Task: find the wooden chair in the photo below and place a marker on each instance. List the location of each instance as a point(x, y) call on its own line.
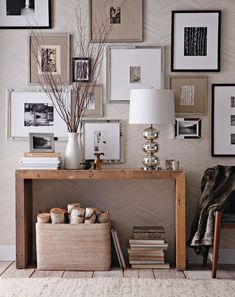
point(222, 220)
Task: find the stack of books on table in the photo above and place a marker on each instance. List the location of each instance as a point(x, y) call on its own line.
point(147, 247)
point(40, 161)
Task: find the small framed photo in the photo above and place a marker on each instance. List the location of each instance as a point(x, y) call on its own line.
point(141, 67)
point(81, 69)
point(31, 111)
point(41, 142)
point(25, 14)
point(187, 128)
point(94, 100)
point(103, 136)
point(195, 40)
point(49, 53)
point(122, 21)
point(190, 93)
point(223, 120)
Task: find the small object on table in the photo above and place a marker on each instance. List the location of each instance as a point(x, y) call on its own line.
point(86, 164)
point(98, 161)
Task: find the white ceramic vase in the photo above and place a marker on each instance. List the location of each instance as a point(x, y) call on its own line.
point(73, 152)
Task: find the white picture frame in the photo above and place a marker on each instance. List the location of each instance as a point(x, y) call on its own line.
point(103, 136)
point(133, 67)
point(31, 111)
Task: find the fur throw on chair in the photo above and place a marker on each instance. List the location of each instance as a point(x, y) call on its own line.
point(218, 193)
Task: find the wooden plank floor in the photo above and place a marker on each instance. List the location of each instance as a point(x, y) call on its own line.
point(8, 270)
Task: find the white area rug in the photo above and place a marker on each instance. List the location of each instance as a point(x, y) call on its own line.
point(110, 287)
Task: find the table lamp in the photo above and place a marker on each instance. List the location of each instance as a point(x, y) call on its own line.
point(151, 106)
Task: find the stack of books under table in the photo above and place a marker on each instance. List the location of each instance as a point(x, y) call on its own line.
point(147, 247)
point(40, 161)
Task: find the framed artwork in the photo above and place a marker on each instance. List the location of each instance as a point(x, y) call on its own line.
point(94, 100)
point(81, 69)
point(134, 67)
point(190, 93)
point(41, 142)
point(120, 20)
point(195, 40)
point(25, 14)
point(103, 136)
point(187, 128)
point(49, 53)
point(223, 120)
point(31, 111)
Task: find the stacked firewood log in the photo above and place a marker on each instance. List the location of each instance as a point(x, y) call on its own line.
point(75, 214)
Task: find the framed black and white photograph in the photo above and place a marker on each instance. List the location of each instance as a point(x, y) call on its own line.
point(141, 67)
point(187, 128)
point(25, 14)
point(49, 53)
point(31, 111)
point(103, 136)
point(195, 40)
point(94, 100)
point(41, 142)
point(117, 20)
point(81, 69)
point(223, 120)
point(190, 93)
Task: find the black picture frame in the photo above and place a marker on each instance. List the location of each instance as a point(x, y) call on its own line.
point(223, 120)
point(82, 75)
point(204, 25)
point(36, 18)
point(188, 128)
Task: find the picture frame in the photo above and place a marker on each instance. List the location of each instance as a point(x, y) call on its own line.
point(222, 120)
point(31, 111)
point(49, 52)
point(141, 67)
point(190, 93)
point(195, 40)
point(41, 142)
point(81, 69)
point(188, 128)
point(31, 14)
point(121, 20)
point(103, 136)
point(94, 100)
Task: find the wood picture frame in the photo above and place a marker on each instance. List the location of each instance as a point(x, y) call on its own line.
point(133, 67)
point(49, 53)
point(223, 120)
point(188, 128)
point(81, 68)
point(31, 111)
point(103, 136)
point(41, 142)
point(94, 100)
point(195, 40)
point(31, 14)
point(190, 94)
point(122, 20)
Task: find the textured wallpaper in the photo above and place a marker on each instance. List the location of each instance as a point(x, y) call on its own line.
point(131, 202)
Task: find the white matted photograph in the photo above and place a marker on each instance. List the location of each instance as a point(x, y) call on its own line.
point(31, 111)
point(103, 136)
point(25, 14)
point(195, 40)
point(223, 120)
point(133, 67)
point(188, 128)
point(41, 142)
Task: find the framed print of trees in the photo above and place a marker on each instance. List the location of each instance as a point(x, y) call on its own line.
point(195, 40)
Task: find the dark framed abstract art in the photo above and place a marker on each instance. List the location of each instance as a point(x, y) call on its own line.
point(195, 40)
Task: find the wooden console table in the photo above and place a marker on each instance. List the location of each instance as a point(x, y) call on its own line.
point(24, 192)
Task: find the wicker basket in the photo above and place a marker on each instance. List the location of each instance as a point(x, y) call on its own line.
point(73, 247)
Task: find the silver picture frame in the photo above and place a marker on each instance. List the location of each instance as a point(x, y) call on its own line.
point(41, 143)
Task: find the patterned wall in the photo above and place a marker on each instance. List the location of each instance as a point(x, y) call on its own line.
point(130, 202)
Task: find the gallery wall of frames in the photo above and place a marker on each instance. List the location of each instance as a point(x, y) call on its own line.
point(186, 46)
